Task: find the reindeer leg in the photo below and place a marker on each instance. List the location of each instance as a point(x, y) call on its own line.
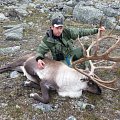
point(15, 65)
point(45, 93)
point(31, 84)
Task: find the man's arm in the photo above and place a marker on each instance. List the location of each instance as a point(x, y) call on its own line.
point(74, 32)
point(42, 50)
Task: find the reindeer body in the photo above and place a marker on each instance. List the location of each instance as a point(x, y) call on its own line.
point(56, 76)
point(68, 80)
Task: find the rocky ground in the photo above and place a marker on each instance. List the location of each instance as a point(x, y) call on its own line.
point(15, 103)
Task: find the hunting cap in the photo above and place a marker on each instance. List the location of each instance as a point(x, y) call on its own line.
point(57, 19)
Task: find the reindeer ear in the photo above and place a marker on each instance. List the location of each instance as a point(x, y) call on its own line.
point(93, 88)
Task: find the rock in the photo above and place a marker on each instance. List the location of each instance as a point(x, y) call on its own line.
point(56, 15)
point(110, 22)
point(17, 11)
point(60, 6)
point(3, 17)
point(71, 3)
point(3, 105)
point(13, 36)
point(39, 6)
point(14, 33)
point(87, 14)
point(71, 118)
point(110, 12)
point(25, 1)
point(8, 50)
point(8, 27)
point(92, 14)
point(117, 27)
point(82, 106)
point(8, 2)
point(67, 9)
point(22, 11)
point(89, 3)
point(115, 5)
point(17, 106)
point(45, 107)
point(101, 6)
point(14, 74)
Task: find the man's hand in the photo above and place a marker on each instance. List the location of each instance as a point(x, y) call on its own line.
point(100, 30)
point(41, 64)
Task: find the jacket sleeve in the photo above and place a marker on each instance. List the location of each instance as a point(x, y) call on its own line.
point(42, 50)
point(74, 32)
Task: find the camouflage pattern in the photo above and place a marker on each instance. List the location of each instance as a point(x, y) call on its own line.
point(66, 47)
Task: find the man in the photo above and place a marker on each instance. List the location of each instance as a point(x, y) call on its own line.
point(59, 41)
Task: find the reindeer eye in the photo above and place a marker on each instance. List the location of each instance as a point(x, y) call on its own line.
point(84, 79)
point(90, 83)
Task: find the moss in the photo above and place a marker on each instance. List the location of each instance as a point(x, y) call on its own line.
point(39, 20)
point(118, 72)
point(116, 108)
point(36, 17)
point(14, 111)
point(94, 99)
point(103, 73)
point(2, 58)
point(90, 116)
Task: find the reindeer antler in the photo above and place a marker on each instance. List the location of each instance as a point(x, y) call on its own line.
point(104, 56)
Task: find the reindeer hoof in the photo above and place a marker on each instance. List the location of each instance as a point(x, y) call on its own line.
point(32, 95)
point(27, 83)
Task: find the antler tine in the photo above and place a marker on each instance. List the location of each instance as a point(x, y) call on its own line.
point(102, 85)
point(103, 56)
point(113, 47)
point(98, 36)
point(100, 67)
point(84, 50)
point(95, 79)
point(118, 21)
point(105, 82)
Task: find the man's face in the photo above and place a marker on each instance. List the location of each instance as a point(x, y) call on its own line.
point(57, 31)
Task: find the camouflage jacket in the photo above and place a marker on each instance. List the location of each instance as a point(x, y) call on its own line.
point(62, 46)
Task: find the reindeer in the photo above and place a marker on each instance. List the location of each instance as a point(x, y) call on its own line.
point(55, 76)
point(65, 80)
